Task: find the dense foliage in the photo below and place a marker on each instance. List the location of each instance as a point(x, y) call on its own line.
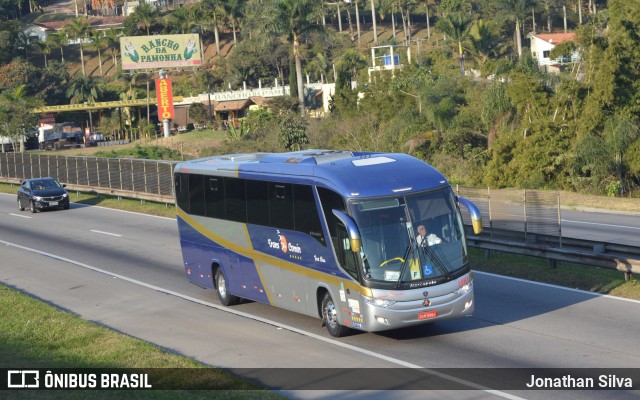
point(474, 103)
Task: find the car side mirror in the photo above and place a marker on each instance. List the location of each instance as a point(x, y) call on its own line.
point(64, 185)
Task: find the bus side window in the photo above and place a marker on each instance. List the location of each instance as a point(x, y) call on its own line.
point(235, 200)
point(182, 191)
point(214, 197)
point(281, 205)
point(305, 213)
point(257, 202)
point(196, 194)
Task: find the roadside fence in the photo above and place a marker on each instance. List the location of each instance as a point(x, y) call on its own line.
point(140, 179)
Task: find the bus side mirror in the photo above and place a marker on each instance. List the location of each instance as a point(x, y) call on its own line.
point(476, 217)
point(352, 230)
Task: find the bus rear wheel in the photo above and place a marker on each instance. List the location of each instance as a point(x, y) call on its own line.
point(224, 296)
point(330, 317)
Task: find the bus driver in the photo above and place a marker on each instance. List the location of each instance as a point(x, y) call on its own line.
point(425, 239)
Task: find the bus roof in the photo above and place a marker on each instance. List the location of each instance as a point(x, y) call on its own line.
point(352, 174)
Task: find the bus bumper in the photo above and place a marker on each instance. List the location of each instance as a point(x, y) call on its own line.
point(405, 314)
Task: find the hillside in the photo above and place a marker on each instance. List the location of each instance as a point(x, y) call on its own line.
point(62, 10)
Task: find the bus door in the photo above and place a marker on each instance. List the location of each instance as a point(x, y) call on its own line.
point(349, 299)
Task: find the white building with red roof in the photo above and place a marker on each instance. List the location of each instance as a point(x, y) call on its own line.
point(543, 43)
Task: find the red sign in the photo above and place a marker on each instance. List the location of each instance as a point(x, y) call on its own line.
point(47, 119)
point(164, 93)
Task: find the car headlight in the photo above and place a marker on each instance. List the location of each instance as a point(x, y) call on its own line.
point(65, 195)
point(377, 302)
point(38, 198)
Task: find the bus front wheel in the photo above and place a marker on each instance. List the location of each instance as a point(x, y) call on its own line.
point(330, 317)
point(224, 296)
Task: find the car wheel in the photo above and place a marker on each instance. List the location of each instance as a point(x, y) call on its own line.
point(32, 206)
point(65, 207)
point(225, 297)
point(20, 206)
point(330, 318)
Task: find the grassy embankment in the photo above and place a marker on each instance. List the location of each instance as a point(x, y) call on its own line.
point(37, 335)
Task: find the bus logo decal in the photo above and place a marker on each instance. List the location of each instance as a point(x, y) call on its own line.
point(283, 242)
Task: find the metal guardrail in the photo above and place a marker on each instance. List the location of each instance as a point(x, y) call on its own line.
point(622, 258)
point(139, 179)
point(525, 222)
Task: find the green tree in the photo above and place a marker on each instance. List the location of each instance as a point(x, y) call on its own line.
point(198, 112)
point(232, 9)
point(59, 40)
point(16, 115)
point(518, 10)
point(483, 43)
point(145, 15)
point(180, 20)
point(214, 10)
point(45, 48)
point(78, 29)
point(99, 41)
point(456, 26)
point(293, 132)
point(112, 37)
point(84, 89)
point(294, 18)
point(55, 80)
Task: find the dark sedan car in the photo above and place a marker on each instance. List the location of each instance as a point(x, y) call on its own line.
point(42, 194)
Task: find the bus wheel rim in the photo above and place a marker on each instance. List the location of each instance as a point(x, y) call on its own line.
point(331, 316)
point(222, 286)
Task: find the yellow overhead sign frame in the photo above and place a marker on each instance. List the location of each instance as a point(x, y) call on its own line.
point(98, 105)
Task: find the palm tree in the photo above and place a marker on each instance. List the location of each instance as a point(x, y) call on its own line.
point(45, 48)
point(456, 26)
point(145, 14)
point(58, 39)
point(214, 10)
point(293, 18)
point(112, 37)
point(84, 89)
point(232, 8)
point(373, 20)
point(519, 10)
point(79, 29)
point(99, 41)
point(180, 19)
point(483, 43)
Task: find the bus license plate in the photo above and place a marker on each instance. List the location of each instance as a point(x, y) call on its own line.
point(427, 314)
point(53, 203)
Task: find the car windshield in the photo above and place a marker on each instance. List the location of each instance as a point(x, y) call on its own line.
point(43, 184)
point(412, 238)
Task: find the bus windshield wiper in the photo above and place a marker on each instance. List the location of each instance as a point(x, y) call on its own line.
point(405, 262)
point(437, 261)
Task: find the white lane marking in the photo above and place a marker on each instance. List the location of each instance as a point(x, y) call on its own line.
point(105, 233)
point(598, 223)
point(21, 216)
point(269, 322)
point(608, 296)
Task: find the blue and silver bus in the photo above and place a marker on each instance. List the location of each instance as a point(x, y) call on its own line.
point(366, 241)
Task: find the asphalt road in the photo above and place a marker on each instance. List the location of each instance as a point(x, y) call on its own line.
point(123, 270)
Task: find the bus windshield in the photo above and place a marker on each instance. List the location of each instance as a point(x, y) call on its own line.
point(415, 239)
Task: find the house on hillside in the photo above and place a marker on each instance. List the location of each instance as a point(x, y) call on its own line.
point(40, 30)
point(543, 43)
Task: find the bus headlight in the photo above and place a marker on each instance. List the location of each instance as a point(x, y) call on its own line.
point(464, 289)
point(378, 302)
